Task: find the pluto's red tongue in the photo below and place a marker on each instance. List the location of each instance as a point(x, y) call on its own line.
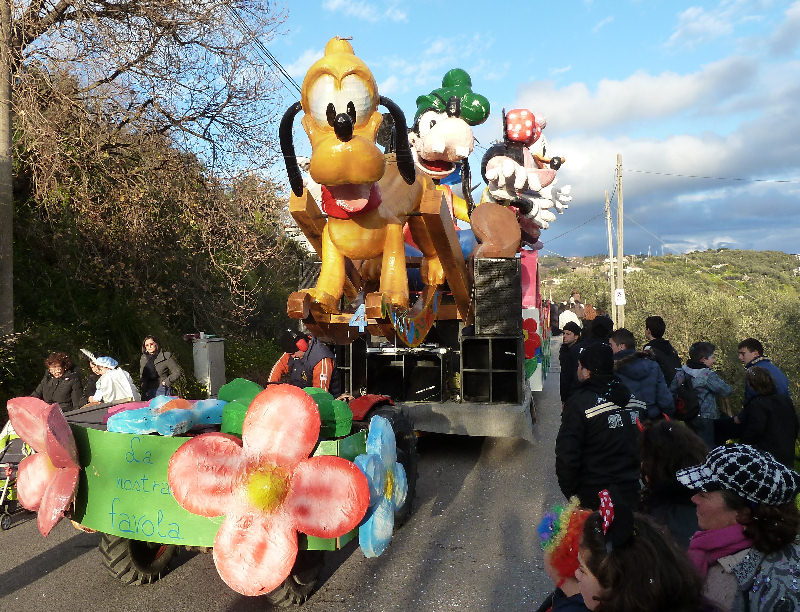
point(341, 201)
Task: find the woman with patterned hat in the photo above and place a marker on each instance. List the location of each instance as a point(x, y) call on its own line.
point(746, 550)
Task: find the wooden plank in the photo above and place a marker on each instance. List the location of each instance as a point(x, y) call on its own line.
point(439, 223)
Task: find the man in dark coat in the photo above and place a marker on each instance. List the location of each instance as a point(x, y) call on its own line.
point(594, 332)
point(751, 353)
point(307, 362)
point(664, 353)
point(597, 443)
point(641, 374)
point(567, 359)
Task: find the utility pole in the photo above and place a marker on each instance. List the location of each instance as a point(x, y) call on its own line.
point(610, 260)
point(620, 250)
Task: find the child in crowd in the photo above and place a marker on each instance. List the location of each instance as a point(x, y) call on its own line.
point(114, 384)
point(628, 564)
point(708, 386)
point(665, 448)
point(560, 530)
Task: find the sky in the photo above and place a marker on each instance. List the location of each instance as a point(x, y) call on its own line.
point(700, 99)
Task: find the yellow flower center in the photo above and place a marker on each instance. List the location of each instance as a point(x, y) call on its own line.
point(267, 487)
point(388, 489)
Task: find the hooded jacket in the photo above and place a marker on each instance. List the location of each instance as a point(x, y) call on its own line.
point(597, 443)
point(67, 390)
point(706, 383)
point(666, 356)
point(644, 378)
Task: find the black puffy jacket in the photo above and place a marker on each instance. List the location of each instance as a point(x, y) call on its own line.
point(769, 423)
point(66, 390)
point(597, 446)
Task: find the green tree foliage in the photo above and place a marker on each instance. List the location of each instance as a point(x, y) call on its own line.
point(119, 234)
point(698, 302)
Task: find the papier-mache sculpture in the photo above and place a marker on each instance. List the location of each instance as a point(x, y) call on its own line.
point(48, 479)
point(520, 174)
point(368, 197)
point(340, 103)
point(268, 488)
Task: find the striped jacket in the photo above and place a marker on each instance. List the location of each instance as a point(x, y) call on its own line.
point(598, 442)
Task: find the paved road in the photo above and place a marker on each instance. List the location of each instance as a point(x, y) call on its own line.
point(471, 544)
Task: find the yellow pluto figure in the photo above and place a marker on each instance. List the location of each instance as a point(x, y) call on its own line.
point(367, 196)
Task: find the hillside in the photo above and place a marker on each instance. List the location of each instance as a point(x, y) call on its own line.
point(720, 296)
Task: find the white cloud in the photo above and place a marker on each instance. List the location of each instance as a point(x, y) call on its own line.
point(562, 70)
point(698, 25)
point(785, 38)
point(601, 23)
point(300, 66)
point(641, 96)
point(389, 86)
point(368, 11)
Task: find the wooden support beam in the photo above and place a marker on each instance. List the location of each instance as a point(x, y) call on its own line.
point(436, 216)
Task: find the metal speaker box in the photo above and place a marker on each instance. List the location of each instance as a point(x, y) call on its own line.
point(498, 297)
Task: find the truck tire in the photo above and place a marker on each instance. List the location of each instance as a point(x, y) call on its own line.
point(133, 561)
point(299, 585)
point(406, 441)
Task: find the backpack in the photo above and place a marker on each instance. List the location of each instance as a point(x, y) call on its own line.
point(687, 402)
point(668, 362)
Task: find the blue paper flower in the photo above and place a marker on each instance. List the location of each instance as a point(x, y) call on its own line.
point(388, 487)
point(168, 423)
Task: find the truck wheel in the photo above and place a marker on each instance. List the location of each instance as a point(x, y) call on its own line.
point(406, 441)
point(5, 522)
point(135, 562)
point(300, 583)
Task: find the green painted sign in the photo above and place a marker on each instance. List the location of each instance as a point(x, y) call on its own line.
point(123, 489)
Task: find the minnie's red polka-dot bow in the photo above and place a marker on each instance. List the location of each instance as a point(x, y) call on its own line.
point(606, 509)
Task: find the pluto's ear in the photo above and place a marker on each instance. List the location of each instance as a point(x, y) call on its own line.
point(287, 148)
point(405, 161)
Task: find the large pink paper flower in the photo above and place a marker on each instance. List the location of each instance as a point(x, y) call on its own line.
point(268, 489)
point(47, 480)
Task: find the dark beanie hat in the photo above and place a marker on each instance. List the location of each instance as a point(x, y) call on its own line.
point(573, 327)
point(598, 359)
point(602, 327)
point(292, 341)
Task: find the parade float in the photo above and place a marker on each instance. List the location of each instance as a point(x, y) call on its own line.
point(267, 479)
point(430, 298)
point(432, 302)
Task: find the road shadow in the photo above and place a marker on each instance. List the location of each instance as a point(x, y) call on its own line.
point(39, 566)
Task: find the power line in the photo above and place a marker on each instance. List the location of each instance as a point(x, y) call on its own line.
point(714, 178)
point(661, 240)
point(265, 53)
point(600, 214)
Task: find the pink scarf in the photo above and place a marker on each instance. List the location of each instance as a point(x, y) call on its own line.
point(708, 546)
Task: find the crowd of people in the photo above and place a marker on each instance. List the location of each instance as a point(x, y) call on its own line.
point(673, 506)
point(107, 382)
